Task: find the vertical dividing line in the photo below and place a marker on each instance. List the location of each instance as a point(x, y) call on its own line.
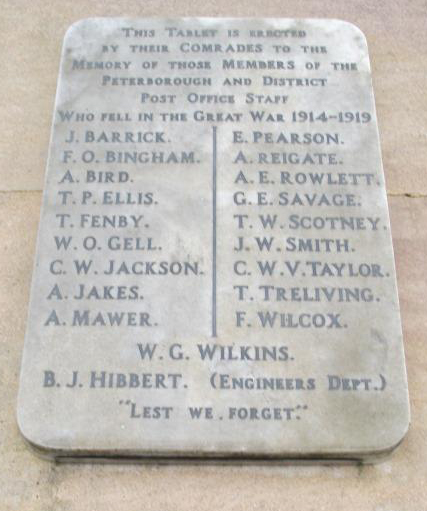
point(214, 207)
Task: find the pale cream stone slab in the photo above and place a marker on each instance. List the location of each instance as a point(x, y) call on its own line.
point(237, 230)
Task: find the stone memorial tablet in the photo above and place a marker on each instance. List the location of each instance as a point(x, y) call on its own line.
point(214, 274)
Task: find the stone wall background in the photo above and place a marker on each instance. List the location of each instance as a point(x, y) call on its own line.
point(31, 33)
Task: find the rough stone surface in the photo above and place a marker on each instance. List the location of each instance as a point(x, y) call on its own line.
point(30, 483)
point(196, 291)
point(34, 31)
point(397, 59)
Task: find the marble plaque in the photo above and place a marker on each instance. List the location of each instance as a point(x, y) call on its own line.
point(214, 274)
